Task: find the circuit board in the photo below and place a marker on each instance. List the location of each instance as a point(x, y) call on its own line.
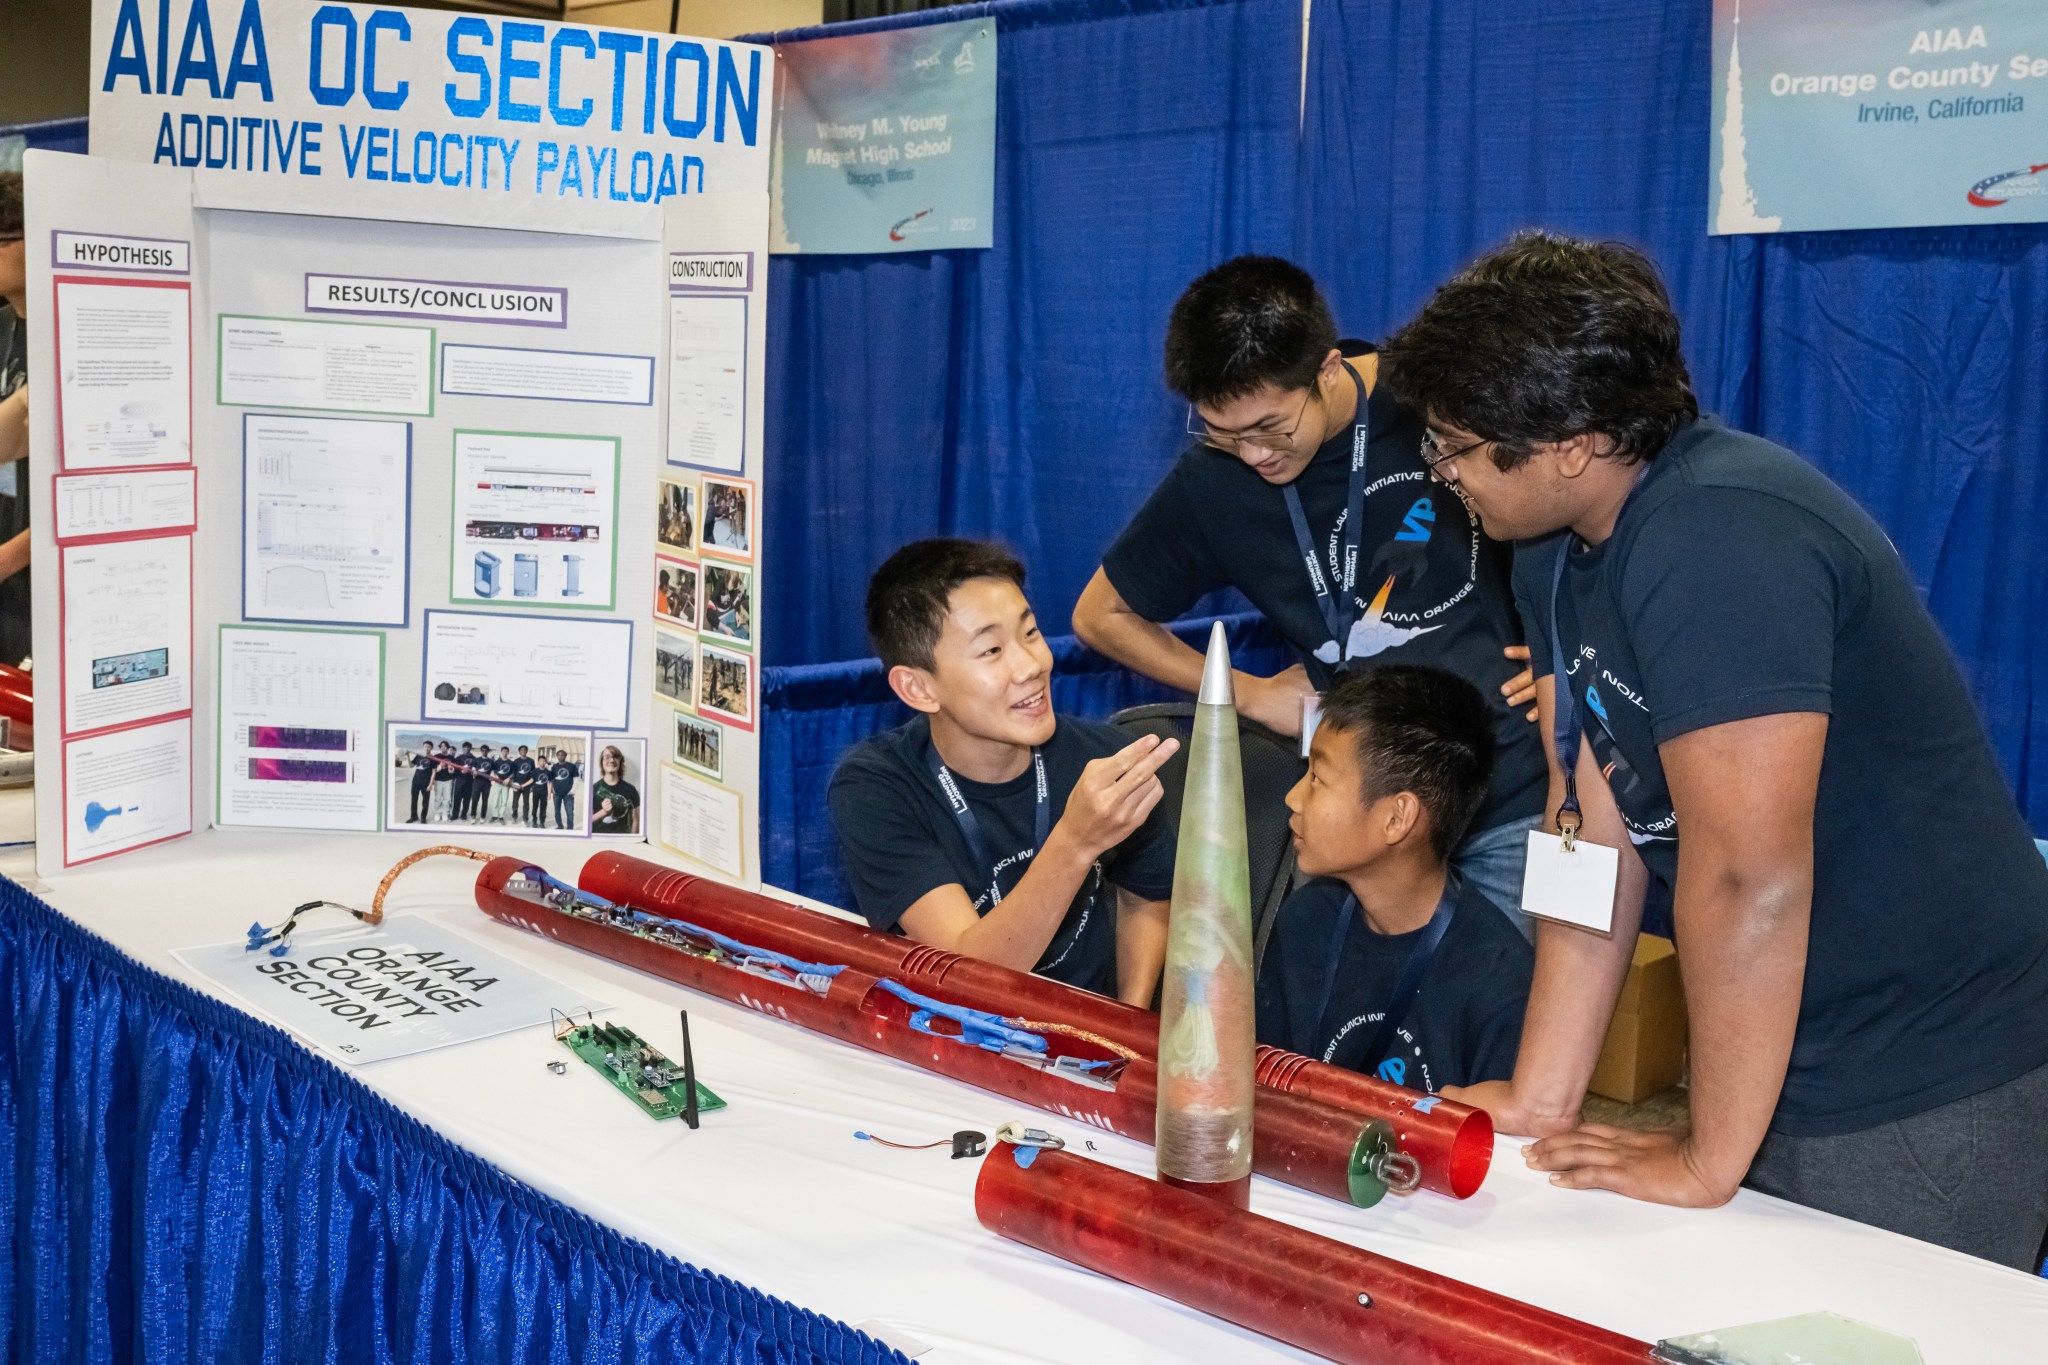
point(637, 1070)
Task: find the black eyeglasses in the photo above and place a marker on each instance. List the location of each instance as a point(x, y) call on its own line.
point(1434, 454)
point(1229, 441)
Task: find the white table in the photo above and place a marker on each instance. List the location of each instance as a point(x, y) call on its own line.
point(775, 1192)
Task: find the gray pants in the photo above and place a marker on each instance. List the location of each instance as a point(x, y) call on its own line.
point(1971, 1175)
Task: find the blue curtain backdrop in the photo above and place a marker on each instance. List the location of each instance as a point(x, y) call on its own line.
point(1909, 365)
point(1016, 392)
point(182, 1185)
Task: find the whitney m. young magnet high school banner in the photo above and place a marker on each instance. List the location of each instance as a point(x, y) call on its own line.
point(301, 89)
point(1878, 113)
point(887, 141)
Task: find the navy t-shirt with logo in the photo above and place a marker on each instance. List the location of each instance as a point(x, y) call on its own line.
point(1463, 1025)
point(900, 840)
point(1438, 589)
point(1739, 582)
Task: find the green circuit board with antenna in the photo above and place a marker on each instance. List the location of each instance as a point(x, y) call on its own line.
point(635, 1068)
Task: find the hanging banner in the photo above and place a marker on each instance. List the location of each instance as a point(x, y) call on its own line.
point(1878, 113)
point(887, 141)
point(447, 103)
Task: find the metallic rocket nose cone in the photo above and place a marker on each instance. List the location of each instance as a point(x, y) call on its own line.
point(1216, 688)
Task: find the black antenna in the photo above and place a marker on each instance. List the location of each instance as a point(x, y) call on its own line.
point(689, 1075)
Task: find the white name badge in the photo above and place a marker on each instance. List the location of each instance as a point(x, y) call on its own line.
point(1575, 887)
point(1311, 716)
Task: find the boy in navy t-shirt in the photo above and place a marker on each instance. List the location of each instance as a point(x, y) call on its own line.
point(1770, 725)
point(988, 825)
point(1385, 962)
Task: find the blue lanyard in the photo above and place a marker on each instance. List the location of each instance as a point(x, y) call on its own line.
point(970, 828)
point(1410, 980)
point(1337, 606)
point(1565, 720)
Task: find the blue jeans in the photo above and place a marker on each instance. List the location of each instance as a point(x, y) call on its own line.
point(1492, 860)
point(565, 816)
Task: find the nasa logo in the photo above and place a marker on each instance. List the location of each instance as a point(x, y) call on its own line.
point(2010, 185)
point(906, 229)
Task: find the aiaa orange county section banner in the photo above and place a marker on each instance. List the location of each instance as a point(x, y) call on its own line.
point(1836, 114)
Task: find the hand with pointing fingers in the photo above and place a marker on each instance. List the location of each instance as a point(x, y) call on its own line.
point(1115, 794)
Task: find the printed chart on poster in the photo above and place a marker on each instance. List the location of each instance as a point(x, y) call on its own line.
point(535, 519)
point(124, 356)
point(326, 366)
point(326, 519)
point(707, 378)
point(522, 669)
point(124, 503)
point(127, 631)
point(702, 820)
point(552, 376)
point(488, 779)
point(127, 789)
point(301, 713)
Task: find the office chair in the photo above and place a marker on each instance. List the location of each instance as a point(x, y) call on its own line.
point(1272, 765)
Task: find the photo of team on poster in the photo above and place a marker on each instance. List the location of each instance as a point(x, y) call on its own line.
point(675, 592)
point(729, 518)
point(675, 525)
point(725, 686)
point(675, 667)
point(699, 746)
point(620, 774)
point(488, 780)
point(729, 603)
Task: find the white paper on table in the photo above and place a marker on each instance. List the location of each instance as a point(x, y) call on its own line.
point(333, 366)
point(124, 503)
point(703, 821)
point(535, 519)
point(563, 376)
point(126, 789)
point(707, 381)
point(127, 631)
point(301, 724)
point(527, 670)
point(367, 995)
point(325, 519)
point(124, 372)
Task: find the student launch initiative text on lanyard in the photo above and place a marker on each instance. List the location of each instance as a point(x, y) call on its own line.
point(1410, 980)
point(1337, 606)
point(970, 828)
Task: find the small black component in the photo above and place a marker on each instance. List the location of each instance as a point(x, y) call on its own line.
point(967, 1142)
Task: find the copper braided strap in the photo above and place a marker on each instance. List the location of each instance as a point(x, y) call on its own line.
point(376, 911)
point(1038, 1026)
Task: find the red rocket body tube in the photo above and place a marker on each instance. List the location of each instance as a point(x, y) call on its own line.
point(1313, 1146)
point(1336, 1300)
point(1451, 1143)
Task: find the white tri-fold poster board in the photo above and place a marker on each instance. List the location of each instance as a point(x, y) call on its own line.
point(351, 487)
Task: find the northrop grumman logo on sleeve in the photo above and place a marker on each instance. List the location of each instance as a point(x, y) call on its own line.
point(1994, 190)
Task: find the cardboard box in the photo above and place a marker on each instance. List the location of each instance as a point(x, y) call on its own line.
point(1645, 1050)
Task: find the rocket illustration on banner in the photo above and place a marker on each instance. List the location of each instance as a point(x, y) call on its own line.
point(1206, 1039)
